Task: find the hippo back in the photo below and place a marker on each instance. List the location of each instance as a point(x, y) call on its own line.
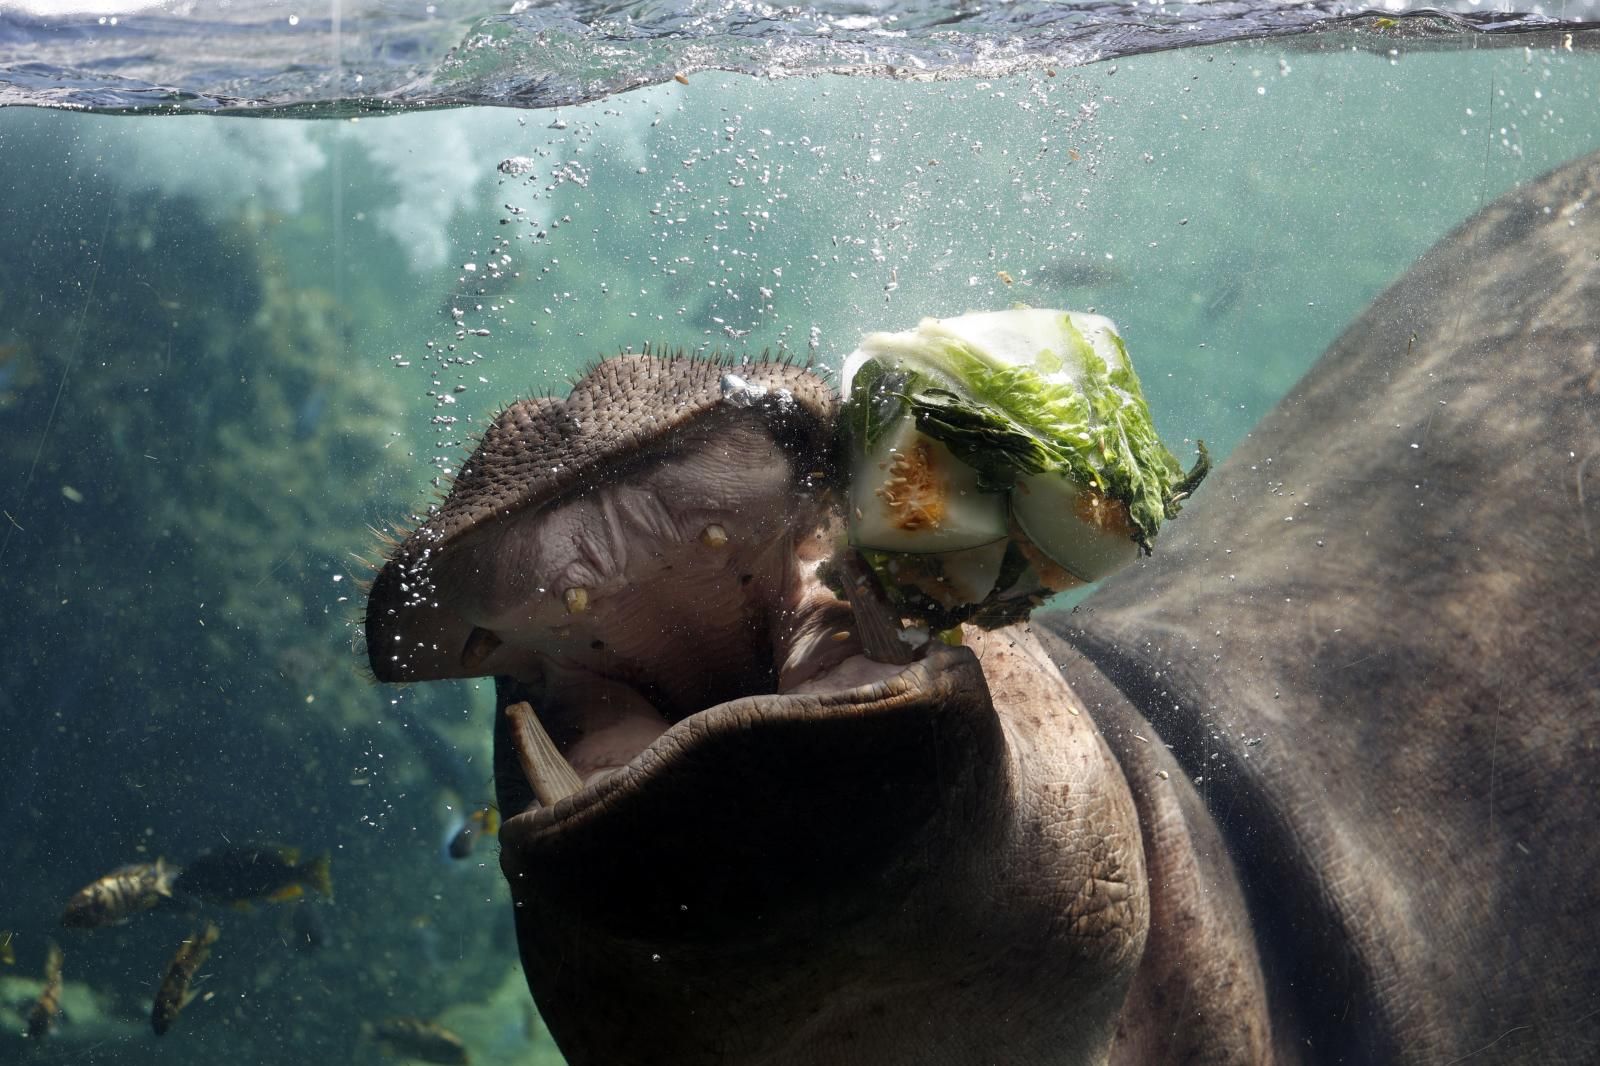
point(1374, 642)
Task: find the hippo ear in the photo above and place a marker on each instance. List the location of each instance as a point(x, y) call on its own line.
point(1373, 635)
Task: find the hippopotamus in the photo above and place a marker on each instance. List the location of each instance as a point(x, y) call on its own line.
point(1313, 784)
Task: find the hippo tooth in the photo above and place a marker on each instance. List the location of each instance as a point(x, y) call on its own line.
point(551, 776)
point(577, 600)
point(714, 536)
point(480, 645)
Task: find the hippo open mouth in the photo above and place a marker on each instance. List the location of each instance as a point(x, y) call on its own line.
point(597, 561)
point(731, 793)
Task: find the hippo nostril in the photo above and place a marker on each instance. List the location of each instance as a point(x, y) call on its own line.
point(481, 644)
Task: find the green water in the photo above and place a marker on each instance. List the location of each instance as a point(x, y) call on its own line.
point(228, 347)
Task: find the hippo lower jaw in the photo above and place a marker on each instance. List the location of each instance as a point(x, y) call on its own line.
point(812, 876)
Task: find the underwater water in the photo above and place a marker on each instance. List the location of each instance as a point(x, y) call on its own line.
point(232, 347)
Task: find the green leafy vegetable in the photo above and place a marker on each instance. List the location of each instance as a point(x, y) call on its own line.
point(1031, 412)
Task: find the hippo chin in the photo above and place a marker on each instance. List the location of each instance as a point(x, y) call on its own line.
point(1309, 791)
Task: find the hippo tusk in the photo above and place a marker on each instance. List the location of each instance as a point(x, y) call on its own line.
point(548, 772)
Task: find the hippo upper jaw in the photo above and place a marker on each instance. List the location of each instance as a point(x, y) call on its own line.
point(666, 588)
point(666, 495)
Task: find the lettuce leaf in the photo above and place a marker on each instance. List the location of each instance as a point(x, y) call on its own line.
point(1024, 392)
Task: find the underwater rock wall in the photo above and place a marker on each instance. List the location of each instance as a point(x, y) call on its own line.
point(193, 450)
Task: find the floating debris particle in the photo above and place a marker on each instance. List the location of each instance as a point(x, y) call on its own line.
point(515, 166)
point(307, 924)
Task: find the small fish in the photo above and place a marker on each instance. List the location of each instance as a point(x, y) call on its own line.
point(308, 416)
point(1079, 272)
point(42, 1017)
point(254, 872)
point(8, 954)
point(483, 822)
point(1224, 295)
point(414, 1038)
point(174, 994)
point(120, 894)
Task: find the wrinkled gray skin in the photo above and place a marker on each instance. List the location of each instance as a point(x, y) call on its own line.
point(1319, 790)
